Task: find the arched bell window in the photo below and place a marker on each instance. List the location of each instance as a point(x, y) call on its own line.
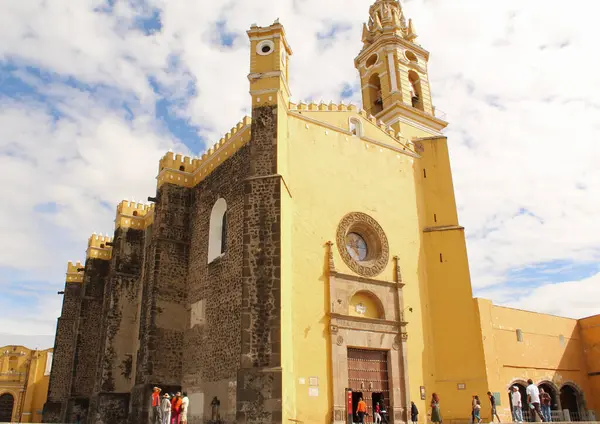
point(217, 233)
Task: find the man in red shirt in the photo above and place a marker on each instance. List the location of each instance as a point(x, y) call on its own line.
point(156, 405)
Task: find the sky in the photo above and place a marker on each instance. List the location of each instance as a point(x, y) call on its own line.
point(94, 92)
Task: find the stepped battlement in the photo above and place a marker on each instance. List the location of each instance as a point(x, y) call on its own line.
point(98, 247)
point(131, 214)
point(73, 273)
point(175, 168)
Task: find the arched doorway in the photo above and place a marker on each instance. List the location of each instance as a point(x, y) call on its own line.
point(570, 398)
point(7, 401)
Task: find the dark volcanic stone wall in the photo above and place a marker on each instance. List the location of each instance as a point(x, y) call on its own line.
point(259, 390)
point(64, 352)
point(88, 338)
point(163, 311)
point(115, 375)
point(212, 343)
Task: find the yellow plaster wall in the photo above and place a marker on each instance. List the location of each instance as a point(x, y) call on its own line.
point(456, 336)
point(29, 386)
point(331, 174)
point(540, 356)
point(590, 336)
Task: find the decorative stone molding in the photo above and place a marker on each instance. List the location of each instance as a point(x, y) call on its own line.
point(366, 324)
point(375, 238)
point(340, 340)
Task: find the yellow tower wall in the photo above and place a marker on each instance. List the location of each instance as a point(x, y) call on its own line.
point(590, 336)
point(329, 174)
point(459, 361)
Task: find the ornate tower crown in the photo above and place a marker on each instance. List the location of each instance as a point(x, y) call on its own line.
point(386, 16)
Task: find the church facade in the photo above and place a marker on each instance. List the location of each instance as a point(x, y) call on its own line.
point(310, 257)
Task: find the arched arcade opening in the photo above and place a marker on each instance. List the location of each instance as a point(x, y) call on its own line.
point(571, 399)
point(7, 402)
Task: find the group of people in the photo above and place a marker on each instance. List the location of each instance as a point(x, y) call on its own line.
point(476, 408)
point(538, 400)
point(169, 408)
point(379, 412)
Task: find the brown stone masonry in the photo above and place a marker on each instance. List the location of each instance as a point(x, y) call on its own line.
point(114, 380)
point(259, 390)
point(212, 341)
point(64, 351)
point(163, 300)
point(88, 338)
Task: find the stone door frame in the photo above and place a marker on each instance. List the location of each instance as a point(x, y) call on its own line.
point(358, 332)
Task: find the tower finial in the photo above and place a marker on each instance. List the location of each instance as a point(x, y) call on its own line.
point(385, 17)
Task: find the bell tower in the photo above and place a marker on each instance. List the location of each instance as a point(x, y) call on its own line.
point(393, 68)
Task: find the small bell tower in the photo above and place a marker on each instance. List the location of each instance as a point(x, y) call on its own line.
point(269, 56)
point(393, 68)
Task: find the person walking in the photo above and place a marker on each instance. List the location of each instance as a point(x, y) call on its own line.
point(477, 410)
point(436, 415)
point(383, 412)
point(361, 410)
point(546, 402)
point(414, 413)
point(185, 403)
point(157, 416)
point(377, 413)
point(176, 408)
point(493, 404)
point(533, 399)
point(517, 405)
point(473, 404)
point(165, 407)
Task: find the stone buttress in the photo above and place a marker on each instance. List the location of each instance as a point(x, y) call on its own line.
point(122, 294)
point(163, 315)
point(87, 349)
point(64, 346)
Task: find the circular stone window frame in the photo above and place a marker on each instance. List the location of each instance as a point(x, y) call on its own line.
point(411, 57)
point(262, 44)
point(369, 66)
point(378, 251)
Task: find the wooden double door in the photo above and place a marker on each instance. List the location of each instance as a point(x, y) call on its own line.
point(368, 378)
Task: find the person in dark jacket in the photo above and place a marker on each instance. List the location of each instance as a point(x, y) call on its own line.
point(414, 413)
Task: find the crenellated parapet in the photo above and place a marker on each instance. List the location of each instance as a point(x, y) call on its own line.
point(134, 215)
point(358, 113)
point(174, 168)
point(74, 275)
point(338, 107)
point(98, 247)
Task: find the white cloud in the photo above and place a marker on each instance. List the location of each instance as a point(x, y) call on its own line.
point(516, 80)
point(573, 299)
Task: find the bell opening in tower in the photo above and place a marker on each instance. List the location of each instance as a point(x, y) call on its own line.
point(375, 94)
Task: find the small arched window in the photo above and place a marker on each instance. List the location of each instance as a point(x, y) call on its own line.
point(217, 232)
point(355, 127)
point(416, 94)
point(375, 94)
point(135, 213)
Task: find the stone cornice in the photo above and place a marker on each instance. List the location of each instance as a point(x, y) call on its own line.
point(412, 115)
point(390, 39)
point(443, 228)
point(366, 280)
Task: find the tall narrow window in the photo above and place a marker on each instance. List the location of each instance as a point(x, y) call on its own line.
point(224, 233)
point(519, 335)
point(375, 94)
point(416, 95)
point(217, 232)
